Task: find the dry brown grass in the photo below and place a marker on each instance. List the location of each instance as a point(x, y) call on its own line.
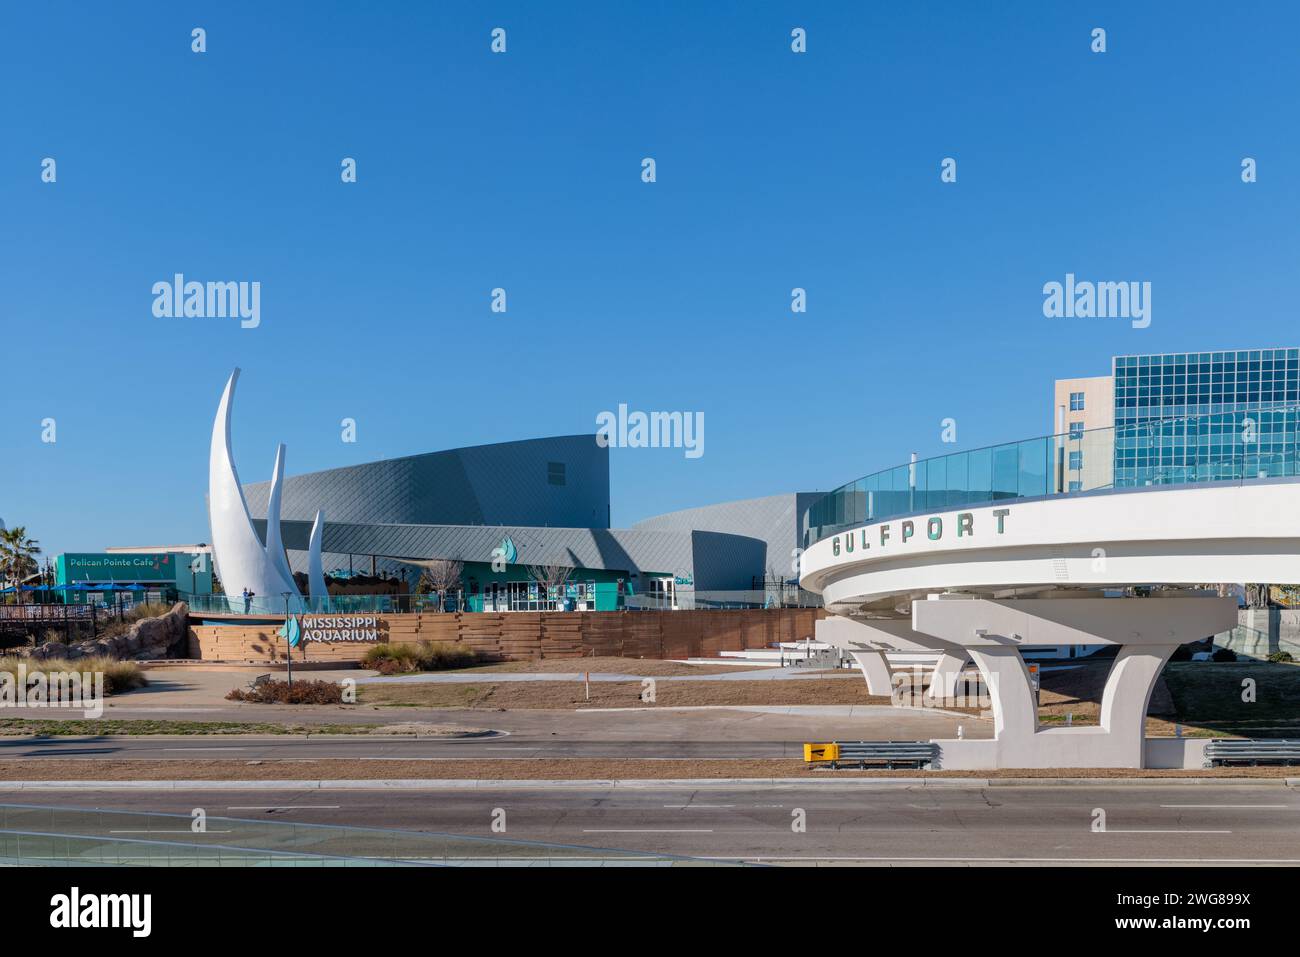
point(569, 695)
point(645, 667)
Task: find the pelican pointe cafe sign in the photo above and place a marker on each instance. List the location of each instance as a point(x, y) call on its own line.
point(333, 629)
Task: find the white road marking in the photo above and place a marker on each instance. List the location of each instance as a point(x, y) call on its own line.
point(1020, 860)
point(1127, 830)
point(183, 830)
point(283, 807)
point(199, 749)
point(1279, 806)
point(707, 806)
point(646, 830)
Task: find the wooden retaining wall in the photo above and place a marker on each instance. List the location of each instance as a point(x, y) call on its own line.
point(530, 635)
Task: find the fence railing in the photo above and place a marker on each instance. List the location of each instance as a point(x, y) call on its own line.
point(277, 606)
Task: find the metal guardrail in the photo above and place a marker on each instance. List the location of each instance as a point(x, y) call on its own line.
point(889, 754)
point(1221, 752)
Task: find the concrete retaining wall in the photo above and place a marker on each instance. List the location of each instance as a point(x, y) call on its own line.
point(1263, 631)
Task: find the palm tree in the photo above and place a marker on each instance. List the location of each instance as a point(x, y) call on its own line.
point(18, 555)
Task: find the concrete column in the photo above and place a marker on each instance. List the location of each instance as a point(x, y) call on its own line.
point(1127, 695)
point(1015, 712)
point(943, 681)
point(875, 668)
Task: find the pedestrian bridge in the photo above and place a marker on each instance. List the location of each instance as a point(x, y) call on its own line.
point(978, 554)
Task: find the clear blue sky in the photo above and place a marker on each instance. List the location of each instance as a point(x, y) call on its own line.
point(522, 170)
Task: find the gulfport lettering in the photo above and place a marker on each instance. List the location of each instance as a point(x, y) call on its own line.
point(933, 529)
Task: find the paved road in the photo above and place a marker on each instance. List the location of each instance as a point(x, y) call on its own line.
point(880, 824)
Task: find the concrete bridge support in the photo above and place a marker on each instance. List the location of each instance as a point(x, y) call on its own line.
point(993, 631)
point(947, 675)
point(868, 640)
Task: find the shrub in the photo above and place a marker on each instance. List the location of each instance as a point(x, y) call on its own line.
point(1279, 656)
point(391, 658)
point(281, 692)
point(119, 676)
point(1223, 654)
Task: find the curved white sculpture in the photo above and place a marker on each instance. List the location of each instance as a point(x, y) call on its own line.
point(240, 558)
point(315, 567)
point(274, 543)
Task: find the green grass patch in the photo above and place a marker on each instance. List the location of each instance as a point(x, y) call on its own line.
point(1214, 695)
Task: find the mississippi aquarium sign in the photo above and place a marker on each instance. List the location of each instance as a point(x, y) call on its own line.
point(934, 528)
point(337, 628)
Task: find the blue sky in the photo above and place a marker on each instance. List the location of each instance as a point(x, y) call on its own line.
point(522, 171)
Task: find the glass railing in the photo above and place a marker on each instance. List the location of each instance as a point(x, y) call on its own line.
point(1215, 447)
point(37, 835)
point(725, 600)
point(276, 607)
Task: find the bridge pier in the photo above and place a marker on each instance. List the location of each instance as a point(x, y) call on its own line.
point(868, 640)
point(947, 673)
point(1147, 630)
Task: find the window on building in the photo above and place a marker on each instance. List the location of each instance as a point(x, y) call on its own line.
point(1076, 430)
point(1076, 401)
point(1076, 486)
point(1076, 461)
point(555, 473)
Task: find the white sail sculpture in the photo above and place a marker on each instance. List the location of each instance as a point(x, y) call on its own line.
point(241, 559)
point(315, 566)
point(274, 544)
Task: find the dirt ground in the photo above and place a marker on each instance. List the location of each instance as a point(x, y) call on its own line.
point(59, 769)
point(646, 667)
point(836, 688)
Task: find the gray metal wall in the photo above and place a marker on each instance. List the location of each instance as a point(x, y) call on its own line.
point(505, 483)
point(773, 520)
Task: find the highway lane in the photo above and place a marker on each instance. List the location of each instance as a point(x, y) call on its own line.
point(868, 825)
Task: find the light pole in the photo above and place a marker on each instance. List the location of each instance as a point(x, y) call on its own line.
point(288, 648)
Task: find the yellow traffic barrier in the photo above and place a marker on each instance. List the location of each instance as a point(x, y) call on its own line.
point(821, 752)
